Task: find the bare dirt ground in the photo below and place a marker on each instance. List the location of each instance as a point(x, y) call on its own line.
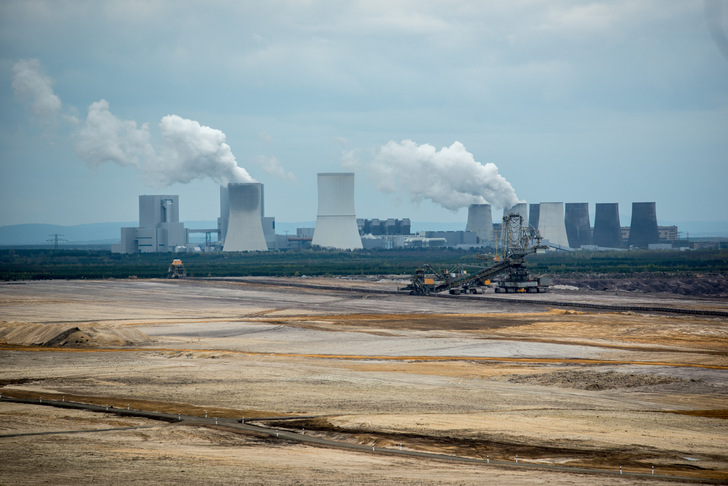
point(471, 377)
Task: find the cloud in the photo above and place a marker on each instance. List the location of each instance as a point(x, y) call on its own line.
point(450, 177)
point(272, 166)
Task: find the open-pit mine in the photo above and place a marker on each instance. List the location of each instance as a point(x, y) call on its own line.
point(336, 381)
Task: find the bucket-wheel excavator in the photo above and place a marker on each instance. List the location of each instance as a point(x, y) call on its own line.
point(518, 240)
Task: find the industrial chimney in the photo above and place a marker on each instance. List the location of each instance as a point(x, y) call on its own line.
point(336, 220)
point(607, 232)
point(643, 228)
point(244, 228)
point(480, 222)
point(578, 228)
point(551, 223)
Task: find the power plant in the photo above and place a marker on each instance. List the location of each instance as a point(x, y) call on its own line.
point(336, 219)
point(243, 226)
point(244, 229)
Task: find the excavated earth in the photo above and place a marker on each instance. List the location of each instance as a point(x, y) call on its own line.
point(535, 388)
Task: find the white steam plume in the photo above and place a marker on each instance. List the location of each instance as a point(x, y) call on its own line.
point(451, 177)
point(106, 138)
point(31, 85)
point(188, 150)
point(191, 150)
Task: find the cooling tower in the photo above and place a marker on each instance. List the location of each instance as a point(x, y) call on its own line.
point(480, 222)
point(520, 208)
point(551, 223)
point(607, 232)
point(578, 228)
point(643, 228)
point(224, 212)
point(244, 228)
point(533, 214)
point(336, 220)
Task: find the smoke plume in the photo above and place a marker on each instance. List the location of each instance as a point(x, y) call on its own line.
point(187, 150)
point(31, 85)
point(450, 177)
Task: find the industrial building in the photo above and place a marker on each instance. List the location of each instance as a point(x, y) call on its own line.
point(578, 227)
point(159, 228)
point(244, 228)
point(607, 233)
point(520, 209)
point(643, 228)
point(551, 224)
point(480, 222)
point(336, 219)
point(389, 226)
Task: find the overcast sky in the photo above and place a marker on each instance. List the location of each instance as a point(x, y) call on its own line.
point(433, 104)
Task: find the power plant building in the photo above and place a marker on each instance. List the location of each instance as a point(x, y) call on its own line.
point(159, 227)
point(388, 226)
point(480, 222)
point(607, 232)
point(336, 219)
point(643, 228)
point(244, 228)
point(578, 227)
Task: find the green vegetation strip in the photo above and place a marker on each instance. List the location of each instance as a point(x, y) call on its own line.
point(16, 264)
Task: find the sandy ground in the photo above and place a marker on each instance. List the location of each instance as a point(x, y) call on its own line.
point(469, 377)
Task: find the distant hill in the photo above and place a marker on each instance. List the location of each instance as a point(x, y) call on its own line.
point(38, 234)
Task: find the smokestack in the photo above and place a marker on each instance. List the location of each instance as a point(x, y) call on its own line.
point(551, 223)
point(336, 220)
point(480, 222)
point(578, 228)
point(607, 232)
point(533, 215)
point(643, 228)
point(244, 227)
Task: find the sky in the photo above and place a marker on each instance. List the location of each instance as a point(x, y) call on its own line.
point(434, 105)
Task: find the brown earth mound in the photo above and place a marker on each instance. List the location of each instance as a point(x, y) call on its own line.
point(708, 284)
point(591, 380)
point(65, 335)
